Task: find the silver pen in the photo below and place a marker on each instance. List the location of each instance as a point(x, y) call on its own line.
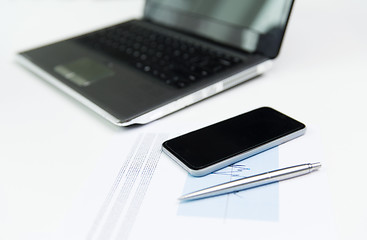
point(253, 181)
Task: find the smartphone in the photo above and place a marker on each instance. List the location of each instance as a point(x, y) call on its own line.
point(216, 146)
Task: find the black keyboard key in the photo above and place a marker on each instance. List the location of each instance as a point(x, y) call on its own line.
point(225, 62)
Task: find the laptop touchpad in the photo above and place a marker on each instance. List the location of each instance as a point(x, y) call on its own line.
point(83, 71)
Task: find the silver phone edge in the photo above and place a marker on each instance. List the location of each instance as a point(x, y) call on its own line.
point(156, 113)
point(237, 158)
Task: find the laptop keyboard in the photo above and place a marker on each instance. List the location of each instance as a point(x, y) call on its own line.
point(172, 60)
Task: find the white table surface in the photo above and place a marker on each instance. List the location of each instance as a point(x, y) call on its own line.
point(49, 143)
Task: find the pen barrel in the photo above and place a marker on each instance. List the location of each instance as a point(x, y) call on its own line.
point(291, 172)
point(255, 181)
point(266, 178)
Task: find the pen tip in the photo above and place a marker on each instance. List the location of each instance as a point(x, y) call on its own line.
point(182, 198)
point(185, 198)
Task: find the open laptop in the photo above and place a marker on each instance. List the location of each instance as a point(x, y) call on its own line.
point(180, 52)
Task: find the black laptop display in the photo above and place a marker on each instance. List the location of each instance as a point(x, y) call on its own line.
point(181, 52)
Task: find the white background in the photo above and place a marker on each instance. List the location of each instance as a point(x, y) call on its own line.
point(50, 144)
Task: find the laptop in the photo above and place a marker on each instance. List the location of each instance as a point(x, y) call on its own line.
point(179, 53)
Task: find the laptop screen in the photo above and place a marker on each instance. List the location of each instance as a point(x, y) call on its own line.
point(255, 26)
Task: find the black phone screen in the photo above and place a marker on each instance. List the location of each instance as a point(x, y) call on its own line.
point(215, 143)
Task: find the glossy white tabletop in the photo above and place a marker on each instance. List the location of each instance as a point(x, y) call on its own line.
point(50, 143)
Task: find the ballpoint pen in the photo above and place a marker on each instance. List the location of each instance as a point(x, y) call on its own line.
point(253, 181)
